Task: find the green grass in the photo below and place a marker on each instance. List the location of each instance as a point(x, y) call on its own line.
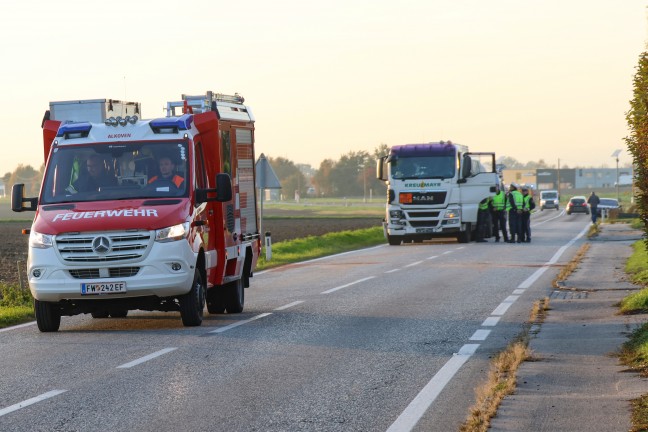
point(15, 306)
point(311, 247)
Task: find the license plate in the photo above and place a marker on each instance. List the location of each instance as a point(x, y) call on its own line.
point(425, 230)
point(103, 288)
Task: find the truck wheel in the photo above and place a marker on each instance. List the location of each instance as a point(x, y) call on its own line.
point(193, 303)
point(235, 296)
point(121, 313)
point(464, 236)
point(99, 314)
point(215, 300)
point(48, 318)
point(394, 241)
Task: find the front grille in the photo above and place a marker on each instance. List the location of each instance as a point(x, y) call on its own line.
point(427, 215)
point(77, 247)
point(95, 273)
point(421, 224)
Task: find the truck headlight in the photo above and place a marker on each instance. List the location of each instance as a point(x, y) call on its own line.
point(395, 214)
point(172, 233)
point(452, 214)
point(40, 241)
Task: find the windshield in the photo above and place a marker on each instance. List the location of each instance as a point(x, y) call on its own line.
point(116, 171)
point(549, 195)
point(427, 167)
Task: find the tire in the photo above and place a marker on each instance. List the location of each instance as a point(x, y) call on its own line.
point(121, 313)
point(100, 314)
point(48, 318)
point(464, 236)
point(193, 303)
point(215, 300)
point(234, 296)
point(394, 241)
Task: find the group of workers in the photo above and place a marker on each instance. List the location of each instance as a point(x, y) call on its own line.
point(514, 206)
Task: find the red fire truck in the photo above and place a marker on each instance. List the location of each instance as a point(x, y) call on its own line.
point(153, 214)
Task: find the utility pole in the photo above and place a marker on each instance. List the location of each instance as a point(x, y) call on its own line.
point(616, 156)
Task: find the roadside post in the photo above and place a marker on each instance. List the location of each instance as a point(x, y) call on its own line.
point(268, 246)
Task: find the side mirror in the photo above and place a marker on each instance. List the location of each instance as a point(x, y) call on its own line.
point(223, 190)
point(466, 167)
point(380, 169)
point(18, 199)
point(223, 187)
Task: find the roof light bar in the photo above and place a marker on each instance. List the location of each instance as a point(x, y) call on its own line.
point(171, 124)
point(80, 129)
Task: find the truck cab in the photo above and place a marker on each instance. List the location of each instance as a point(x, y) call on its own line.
point(434, 190)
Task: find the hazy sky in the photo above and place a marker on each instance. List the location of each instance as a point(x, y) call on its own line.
point(548, 79)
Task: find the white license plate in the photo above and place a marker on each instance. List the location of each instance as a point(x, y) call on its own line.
point(103, 288)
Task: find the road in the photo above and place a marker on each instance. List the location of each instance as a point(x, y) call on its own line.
point(387, 338)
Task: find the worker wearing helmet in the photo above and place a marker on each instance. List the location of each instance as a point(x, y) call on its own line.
point(516, 201)
point(499, 215)
point(528, 206)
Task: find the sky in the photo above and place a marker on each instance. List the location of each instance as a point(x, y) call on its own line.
point(531, 80)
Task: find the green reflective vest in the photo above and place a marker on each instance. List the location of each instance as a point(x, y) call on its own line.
point(499, 201)
point(518, 199)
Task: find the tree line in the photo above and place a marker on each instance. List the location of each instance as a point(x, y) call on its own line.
point(637, 141)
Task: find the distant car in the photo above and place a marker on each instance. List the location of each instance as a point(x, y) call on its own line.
point(577, 204)
point(549, 199)
point(608, 204)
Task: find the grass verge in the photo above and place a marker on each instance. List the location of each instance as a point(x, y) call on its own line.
point(502, 376)
point(634, 353)
point(571, 266)
point(311, 247)
point(15, 306)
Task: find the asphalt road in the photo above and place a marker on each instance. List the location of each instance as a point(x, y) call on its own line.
point(387, 338)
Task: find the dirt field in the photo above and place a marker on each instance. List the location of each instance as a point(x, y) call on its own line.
point(13, 244)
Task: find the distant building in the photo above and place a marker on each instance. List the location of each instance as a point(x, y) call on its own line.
point(596, 178)
point(520, 176)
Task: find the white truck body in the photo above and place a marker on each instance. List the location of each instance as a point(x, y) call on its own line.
point(434, 190)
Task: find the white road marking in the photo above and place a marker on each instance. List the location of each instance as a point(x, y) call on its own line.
point(480, 335)
point(432, 257)
point(289, 305)
point(240, 323)
point(447, 252)
point(31, 401)
point(146, 358)
point(536, 275)
point(321, 258)
point(550, 219)
point(415, 410)
point(518, 291)
point(501, 309)
point(347, 285)
point(18, 326)
point(413, 264)
point(392, 271)
point(490, 321)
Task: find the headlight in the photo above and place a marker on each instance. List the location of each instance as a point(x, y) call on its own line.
point(395, 214)
point(40, 241)
point(176, 232)
point(452, 214)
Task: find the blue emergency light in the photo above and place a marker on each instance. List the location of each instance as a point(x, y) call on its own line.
point(74, 130)
point(171, 124)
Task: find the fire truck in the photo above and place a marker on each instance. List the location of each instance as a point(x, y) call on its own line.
point(434, 190)
point(155, 214)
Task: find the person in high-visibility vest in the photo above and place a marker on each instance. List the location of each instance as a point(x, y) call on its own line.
point(483, 220)
point(516, 201)
point(499, 215)
point(528, 206)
